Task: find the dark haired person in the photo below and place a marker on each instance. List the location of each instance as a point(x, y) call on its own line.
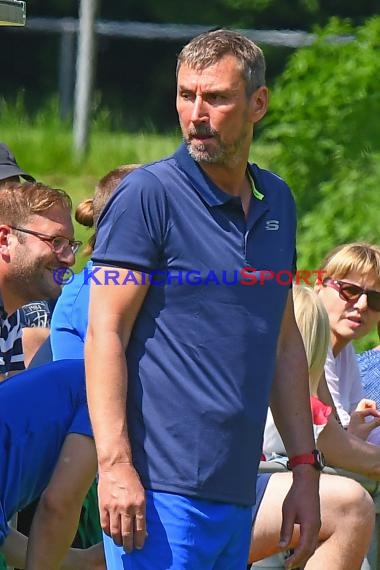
point(178, 417)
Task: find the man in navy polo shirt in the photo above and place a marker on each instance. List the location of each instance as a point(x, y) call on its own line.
point(178, 422)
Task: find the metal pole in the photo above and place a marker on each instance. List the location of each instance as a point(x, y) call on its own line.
point(66, 72)
point(84, 74)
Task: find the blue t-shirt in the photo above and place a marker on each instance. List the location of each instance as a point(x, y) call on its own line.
point(70, 318)
point(369, 366)
point(38, 409)
point(201, 357)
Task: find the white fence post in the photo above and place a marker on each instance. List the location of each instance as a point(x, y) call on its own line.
point(84, 74)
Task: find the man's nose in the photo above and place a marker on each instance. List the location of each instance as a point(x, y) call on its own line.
point(199, 112)
point(67, 257)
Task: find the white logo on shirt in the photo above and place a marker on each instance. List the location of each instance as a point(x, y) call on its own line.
point(272, 225)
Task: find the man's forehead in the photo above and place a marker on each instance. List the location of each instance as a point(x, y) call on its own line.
point(224, 74)
point(55, 217)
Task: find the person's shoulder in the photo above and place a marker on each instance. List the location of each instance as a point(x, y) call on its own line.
point(35, 314)
point(150, 170)
point(274, 189)
point(160, 174)
point(145, 183)
point(368, 359)
point(268, 178)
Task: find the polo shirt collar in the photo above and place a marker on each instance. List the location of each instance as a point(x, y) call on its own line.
point(213, 195)
point(200, 181)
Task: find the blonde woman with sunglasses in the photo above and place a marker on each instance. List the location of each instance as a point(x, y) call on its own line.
point(350, 292)
point(341, 546)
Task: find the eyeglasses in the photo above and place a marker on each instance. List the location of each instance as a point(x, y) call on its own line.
point(351, 292)
point(58, 243)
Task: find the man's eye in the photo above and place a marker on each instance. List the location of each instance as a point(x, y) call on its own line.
point(216, 98)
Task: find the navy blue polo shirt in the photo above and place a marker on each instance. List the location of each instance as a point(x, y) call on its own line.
point(201, 357)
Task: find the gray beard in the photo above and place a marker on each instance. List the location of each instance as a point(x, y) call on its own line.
point(201, 154)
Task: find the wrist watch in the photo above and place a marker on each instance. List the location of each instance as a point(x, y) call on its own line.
point(315, 458)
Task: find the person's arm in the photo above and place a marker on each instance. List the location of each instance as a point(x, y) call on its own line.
point(121, 494)
point(290, 405)
point(32, 339)
point(346, 451)
point(56, 520)
point(15, 546)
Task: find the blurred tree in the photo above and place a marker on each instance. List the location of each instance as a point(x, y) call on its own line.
point(324, 128)
point(301, 14)
point(136, 77)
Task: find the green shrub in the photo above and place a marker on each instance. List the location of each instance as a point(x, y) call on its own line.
point(324, 109)
point(325, 135)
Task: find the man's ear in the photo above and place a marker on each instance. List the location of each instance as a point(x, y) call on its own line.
point(5, 233)
point(258, 104)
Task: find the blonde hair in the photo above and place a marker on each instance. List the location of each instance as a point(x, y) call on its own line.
point(21, 200)
point(360, 257)
point(88, 211)
point(313, 323)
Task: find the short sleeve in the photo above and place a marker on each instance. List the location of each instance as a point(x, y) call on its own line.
point(132, 227)
point(36, 314)
point(69, 321)
point(320, 413)
point(81, 422)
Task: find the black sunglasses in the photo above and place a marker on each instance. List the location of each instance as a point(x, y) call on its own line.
point(58, 243)
point(351, 292)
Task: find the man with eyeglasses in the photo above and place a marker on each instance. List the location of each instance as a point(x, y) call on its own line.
point(351, 295)
point(36, 237)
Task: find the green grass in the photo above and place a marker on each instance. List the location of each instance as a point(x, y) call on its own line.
point(43, 146)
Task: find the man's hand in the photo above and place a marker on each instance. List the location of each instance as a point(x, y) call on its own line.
point(301, 506)
point(122, 505)
point(360, 425)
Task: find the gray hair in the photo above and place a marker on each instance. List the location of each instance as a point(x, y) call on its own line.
point(208, 48)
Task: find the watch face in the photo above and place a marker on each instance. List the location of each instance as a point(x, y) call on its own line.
point(319, 459)
point(314, 458)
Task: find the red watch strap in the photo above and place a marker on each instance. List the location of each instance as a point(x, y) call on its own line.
point(306, 458)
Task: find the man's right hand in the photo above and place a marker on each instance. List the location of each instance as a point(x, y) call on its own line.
point(122, 505)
